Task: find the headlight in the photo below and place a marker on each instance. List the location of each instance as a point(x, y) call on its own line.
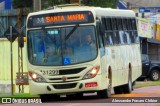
point(36, 77)
point(92, 73)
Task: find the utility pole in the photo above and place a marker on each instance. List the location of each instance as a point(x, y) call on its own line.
point(11, 61)
point(36, 5)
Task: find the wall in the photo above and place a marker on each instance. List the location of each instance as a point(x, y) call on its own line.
point(17, 19)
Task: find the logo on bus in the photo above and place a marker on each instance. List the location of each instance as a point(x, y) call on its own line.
point(64, 78)
point(40, 20)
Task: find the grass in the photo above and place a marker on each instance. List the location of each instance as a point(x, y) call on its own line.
point(145, 84)
point(18, 96)
point(24, 95)
point(158, 104)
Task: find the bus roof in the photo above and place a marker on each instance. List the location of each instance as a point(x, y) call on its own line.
point(98, 11)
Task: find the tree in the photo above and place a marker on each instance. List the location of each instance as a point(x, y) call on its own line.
point(48, 3)
point(101, 3)
point(22, 3)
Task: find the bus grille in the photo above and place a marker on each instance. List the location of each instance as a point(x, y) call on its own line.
point(55, 79)
point(65, 86)
point(71, 71)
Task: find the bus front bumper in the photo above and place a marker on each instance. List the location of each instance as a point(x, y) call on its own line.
point(87, 85)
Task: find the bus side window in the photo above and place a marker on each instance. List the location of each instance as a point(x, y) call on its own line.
point(114, 23)
point(120, 30)
point(136, 38)
point(100, 41)
point(124, 23)
point(123, 37)
point(109, 38)
point(134, 25)
point(131, 37)
point(116, 38)
point(116, 31)
point(100, 38)
point(134, 31)
point(104, 23)
point(108, 24)
point(129, 24)
point(127, 34)
point(119, 24)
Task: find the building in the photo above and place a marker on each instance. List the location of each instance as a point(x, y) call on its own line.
point(146, 9)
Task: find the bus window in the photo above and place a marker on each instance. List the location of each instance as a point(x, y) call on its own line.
point(128, 37)
point(132, 37)
point(116, 38)
point(109, 38)
point(104, 23)
point(108, 24)
point(123, 37)
point(133, 21)
point(119, 24)
point(129, 24)
point(114, 23)
point(136, 38)
point(124, 24)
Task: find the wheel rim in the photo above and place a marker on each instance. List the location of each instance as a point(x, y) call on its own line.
point(155, 76)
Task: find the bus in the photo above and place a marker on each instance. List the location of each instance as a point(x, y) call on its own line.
point(61, 62)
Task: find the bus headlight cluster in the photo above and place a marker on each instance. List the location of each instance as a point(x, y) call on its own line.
point(92, 73)
point(36, 77)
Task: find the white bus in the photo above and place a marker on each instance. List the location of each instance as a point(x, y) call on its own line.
point(76, 50)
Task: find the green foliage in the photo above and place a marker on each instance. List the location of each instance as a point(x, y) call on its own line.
point(22, 3)
point(101, 3)
point(145, 84)
point(48, 3)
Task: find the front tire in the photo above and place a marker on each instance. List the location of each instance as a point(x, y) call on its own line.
point(106, 93)
point(128, 87)
point(155, 75)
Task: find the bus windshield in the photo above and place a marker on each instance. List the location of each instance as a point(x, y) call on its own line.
point(49, 47)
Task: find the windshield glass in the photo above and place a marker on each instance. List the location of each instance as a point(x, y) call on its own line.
point(54, 47)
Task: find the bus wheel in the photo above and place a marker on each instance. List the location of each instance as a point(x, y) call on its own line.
point(133, 85)
point(128, 87)
point(106, 93)
point(155, 75)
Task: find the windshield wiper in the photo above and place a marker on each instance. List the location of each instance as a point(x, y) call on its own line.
point(71, 32)
point(52, 39)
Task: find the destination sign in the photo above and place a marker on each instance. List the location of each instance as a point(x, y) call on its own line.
point(63, 18)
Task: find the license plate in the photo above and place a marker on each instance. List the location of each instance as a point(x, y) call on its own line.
point(50, 72)
point(91, 84)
